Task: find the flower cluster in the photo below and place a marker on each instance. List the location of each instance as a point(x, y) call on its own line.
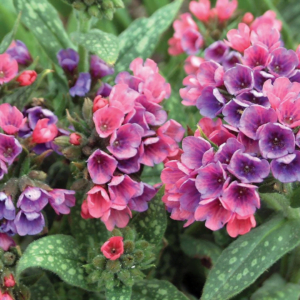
point(82, 83)
point(122, 260)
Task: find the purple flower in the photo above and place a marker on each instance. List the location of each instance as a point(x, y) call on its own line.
point(131, 165)
point(213, 212)
point(61, 200)
point(226, 150)
point(210, 74)
point(256, 56)
point(7, 208)
point(287, 169)
point(33, 199)
point(233, 111)
point(8, 227)
point(276, 140)
point(231, 59)
point(104, 90)
point(140, 203)
point(211, 102)
point(248, 168)
point(251, 146)
point(37, 113)
point(101, 167)
point(283, 62)
point(210, 180)
point(193, 150)
point(191, 41)
point(254, 97)
point(10, 148)
point(241, 198)
point(260, 77)
point(30, 223)
point(216, 51)
point(190, 195)
point(124, 142)
point(20, 53)
point(68, 59)
point(253, 117)
point(99, 68)
point(239, 79)
point(82, 85)
point(3, 169)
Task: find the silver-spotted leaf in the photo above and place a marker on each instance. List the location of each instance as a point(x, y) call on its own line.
point(142, 36)
point(43, 21)
point(244, 260)
point(58, 254)
point(9, 37)
point(156, 290)
point(103, 44)
point(43, 289)
point(119, 293)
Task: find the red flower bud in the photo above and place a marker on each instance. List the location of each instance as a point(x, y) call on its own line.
point(44, 132)
point(113, 248)
point(75, 139)
point(247, 18)
point(99, 102)
point(27, 78)
point(9, 281)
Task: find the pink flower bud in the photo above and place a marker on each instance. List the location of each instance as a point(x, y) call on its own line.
point(27, 78)
point(99, 102)
point(9, 281)
point(113, 248)
point(43, 132)
point(247, 18)
point(75, 139)
point(6, 296)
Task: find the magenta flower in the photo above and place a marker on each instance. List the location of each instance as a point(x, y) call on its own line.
point(6, 242)
point(29, 223)
point(239, 79)
point(238, 225)
point(33, 199)
point(68, 59)
point(267, 37)
point(61, 200)
point(233, 111)
point(260, 77)
point(3, 169)
point(131, 165)
point(104, 90)
point(213, 212)
point(114, 217)
point(7, 208)
point(253, 97)
point(256, 56)
point(191, 41)
point(248, 168)
point(210, 180)
point(226, 150)
point(193, 151)
point(239, 39)
point(107, 120)
point(99, 68)
point(10, 148)
point(289, 112)
point(200, 9)
point(11, 119)
point(38, 113)
point(18, 51)
point(241, 198)
point(269, 19)
point(210, 74)
point(101, 167)
point(98, 201)
point(192, 91)
point(225, 9)
point(231, 59)
point(276, 140)
point(253, 117)
point(192, 64)
point(287, 169)
point(216, 51)
point(251, 146)
point(190, 198)
point(8, 68)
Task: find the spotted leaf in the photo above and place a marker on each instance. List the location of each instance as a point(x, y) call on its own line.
point(119, 293)
point(9, 37)
point(43, 289)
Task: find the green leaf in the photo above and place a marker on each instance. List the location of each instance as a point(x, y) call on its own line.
point(43, 289)
point(22, 95)
point(275, 201)
point(58, 254)
point(43, 21)
point(276, 288)
point(142, 36)
point(103, 44)
point(156, 290)
point(249, 256)
point(10, 36)
point(197, 248)
point(119, 293)
point(151, 224)
point(295, 198)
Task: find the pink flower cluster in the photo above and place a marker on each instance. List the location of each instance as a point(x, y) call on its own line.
point(135, 132)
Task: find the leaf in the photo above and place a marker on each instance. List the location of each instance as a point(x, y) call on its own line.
point(22, 95)
point(103, 44)
point(141, 37)
point(43, 289)
point(249, 256)
point(119, 293)
point(9, 37)
point(43, 21)
point(197, 248)
point(275, 201)
point(156, 290)
point(295, 198)
point(151, 224)
point(58, 254)
point(276, 288)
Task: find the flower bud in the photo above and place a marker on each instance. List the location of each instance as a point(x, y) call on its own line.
point(141, 244)
point(116, 232)
point(89, 2)
point(75, 138)
point(6, 296)
point(79, 184)
point(9, 258)
point(38, 175)
point(128, 261)
point(99, 102)
point(113, 266)
point(107, 4)
point(62, 141)
point(79, 5)
point(128, 246)
point(72, 153)
point(126, 277)
point(247, 18)
point(137, 274)
point(99, 262)
point(107, 276)
point(108, 14)
point(88, 151)
point(94, 11)
point(139, 256)
point(118, 3)
point(9, 281)
point(94, 276)
point(129, 234)
point(44, 132)
point(27, 78)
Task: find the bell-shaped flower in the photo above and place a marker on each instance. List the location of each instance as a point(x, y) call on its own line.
point(98, 201)
point(8, 68)
point(68, 59)
point(113, 248)
point(82, 85)
point(114, 217)
point(7, 207)
point(10, 148)
point(61, 200)
point(238, 225)
point(29, 223)
point(239, 39)
point(201, 9)
point(44, 132)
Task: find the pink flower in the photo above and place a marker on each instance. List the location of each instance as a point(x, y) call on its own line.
point(240, 225)
point(44, 132)
point(247, 18)
point(200, 9)
point(8, 68)
point(225, 9)
point(6, 242)
point(27, 78)
point(107, 120)
point(175, 46)
point(11, 119)
point(99, 102)
point(192, 41)
point(75, 138)
point(6, 296)
point(114, 217)
point(85, 210)
point(267, 19)
point(98, 201)
point(9, 281)
point(239, 39)
point(192, 64)
point(192, 91)
point(113, 248)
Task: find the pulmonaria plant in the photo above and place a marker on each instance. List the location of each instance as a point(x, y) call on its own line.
point(129, 130)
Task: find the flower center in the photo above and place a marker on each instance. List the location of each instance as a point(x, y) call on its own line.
point(8, 152)
point(113, 250)
point(104, 127)
point(277, 68)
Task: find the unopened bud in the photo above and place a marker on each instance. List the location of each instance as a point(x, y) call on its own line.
point(9, 258)
point(99, 262)
point(137, 274)
point(94, 11)
point(9, 281)
point(107, 4)
point(128, 260)
point(141, 244)
point(107, 276)
point(128, 246)
point(108, 14)
point(87, 108)
point(94, 276)
point(116, 232)
point(62, 141)
point(38, 175)
point(118, 3)
point(88, 151)
point(248, 18)
point(72, 153)
point(128, 233)
point(79, 5)
point(89, 2)
point(99, 102)
point(113, 266)
point(139, 256)
point(75, 139)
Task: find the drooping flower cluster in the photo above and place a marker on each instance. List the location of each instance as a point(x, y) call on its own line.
point(130, 130)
